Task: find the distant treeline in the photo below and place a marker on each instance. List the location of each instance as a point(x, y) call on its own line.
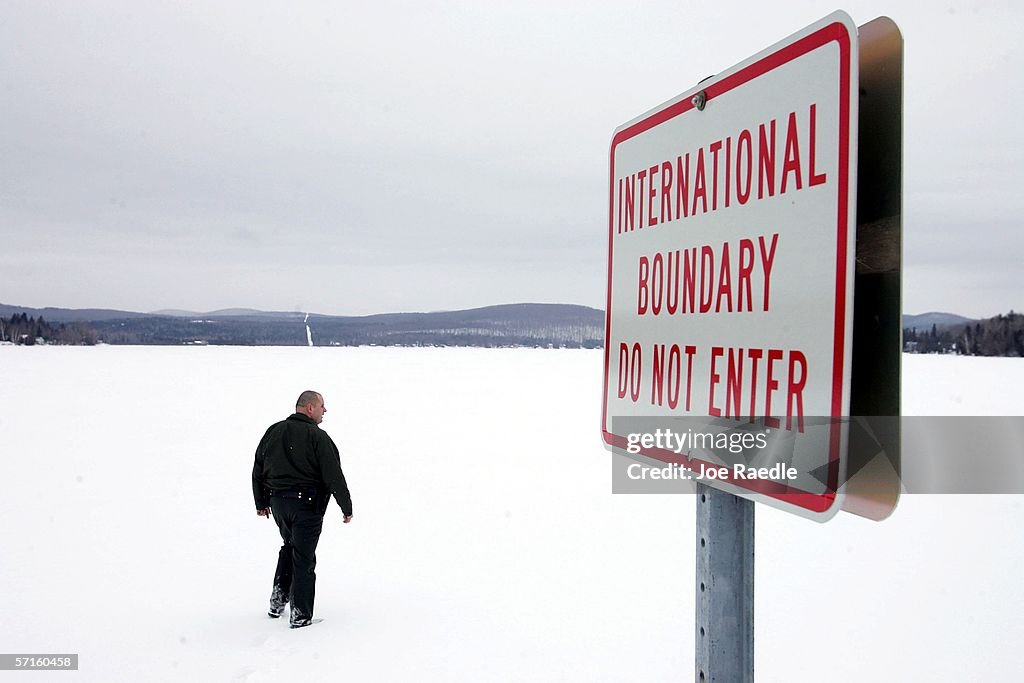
point(533, 325)
point(341, 332)
point(1002, 335)
point(26, 330)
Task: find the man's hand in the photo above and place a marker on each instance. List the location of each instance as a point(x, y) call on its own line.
point(263, 512)
point(348, 518)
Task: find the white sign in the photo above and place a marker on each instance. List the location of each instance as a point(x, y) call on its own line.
point(731, 241)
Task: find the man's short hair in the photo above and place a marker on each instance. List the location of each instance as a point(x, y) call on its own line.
point(308, 398)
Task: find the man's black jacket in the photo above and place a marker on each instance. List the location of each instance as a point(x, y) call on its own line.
point(296, 455)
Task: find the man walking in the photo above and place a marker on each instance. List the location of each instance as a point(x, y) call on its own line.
point(297, 469)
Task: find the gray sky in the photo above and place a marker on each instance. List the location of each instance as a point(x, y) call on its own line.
point(355, 158)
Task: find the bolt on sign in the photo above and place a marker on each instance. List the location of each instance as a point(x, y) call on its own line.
point(731, 239)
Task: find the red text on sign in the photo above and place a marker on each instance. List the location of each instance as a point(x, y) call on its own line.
point(752, 378)
point(704, 279)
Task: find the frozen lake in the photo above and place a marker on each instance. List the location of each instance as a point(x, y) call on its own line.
point(486, 544)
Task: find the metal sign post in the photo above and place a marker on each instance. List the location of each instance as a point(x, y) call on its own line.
point(725, 587)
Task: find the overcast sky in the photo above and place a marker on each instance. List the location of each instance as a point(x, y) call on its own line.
point(352, 158)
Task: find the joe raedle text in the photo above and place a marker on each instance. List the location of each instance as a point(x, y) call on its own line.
point(777, 472)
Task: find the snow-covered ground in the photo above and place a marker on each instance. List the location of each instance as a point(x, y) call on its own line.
point(486, 544)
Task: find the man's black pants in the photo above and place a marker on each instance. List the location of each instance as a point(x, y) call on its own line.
point(300, 522)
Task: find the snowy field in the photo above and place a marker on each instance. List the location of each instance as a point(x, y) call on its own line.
point(486, 544)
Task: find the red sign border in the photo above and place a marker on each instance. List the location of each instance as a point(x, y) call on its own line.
point(838, 32)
